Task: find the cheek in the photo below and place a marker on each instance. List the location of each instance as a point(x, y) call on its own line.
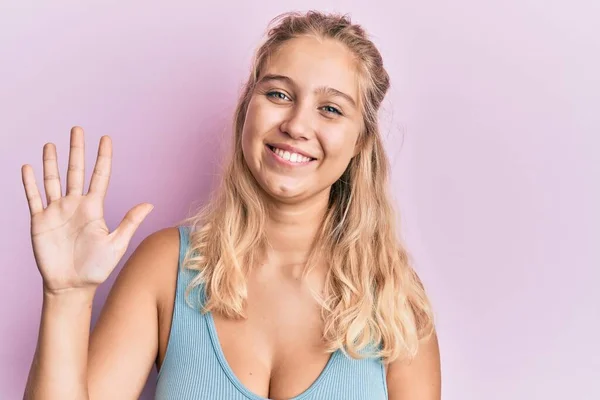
point(339, 147)
point(251, 129)
point(249, 120)
point(260, 118)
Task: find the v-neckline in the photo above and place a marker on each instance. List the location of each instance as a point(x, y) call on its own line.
point(216, 344)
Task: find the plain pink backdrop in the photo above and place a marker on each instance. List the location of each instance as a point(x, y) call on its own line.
point(492, 124)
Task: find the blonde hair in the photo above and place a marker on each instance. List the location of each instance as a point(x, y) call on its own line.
point(372, 296)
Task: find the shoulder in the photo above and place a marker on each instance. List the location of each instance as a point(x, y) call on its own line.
point(155, 249)
point(153, 264)
point(419, 378)
point(162, 239)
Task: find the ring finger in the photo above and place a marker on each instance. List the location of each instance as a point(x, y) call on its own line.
point(51, 175)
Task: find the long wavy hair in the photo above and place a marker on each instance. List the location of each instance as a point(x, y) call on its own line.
point(372, 302)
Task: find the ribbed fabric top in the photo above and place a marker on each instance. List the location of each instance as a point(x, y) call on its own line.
point(195, 366)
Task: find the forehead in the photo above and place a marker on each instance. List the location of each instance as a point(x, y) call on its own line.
point(312, 62)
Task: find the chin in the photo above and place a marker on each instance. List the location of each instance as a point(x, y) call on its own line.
point(281, 189)
point(286, 192)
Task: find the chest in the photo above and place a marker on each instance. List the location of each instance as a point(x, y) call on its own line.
point(277, 351)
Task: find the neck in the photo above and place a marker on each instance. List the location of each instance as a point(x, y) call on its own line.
point(291, 230)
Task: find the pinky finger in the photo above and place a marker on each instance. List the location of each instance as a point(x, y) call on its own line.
point(31, 190)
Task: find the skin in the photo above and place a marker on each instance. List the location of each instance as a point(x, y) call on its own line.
point(277, 351)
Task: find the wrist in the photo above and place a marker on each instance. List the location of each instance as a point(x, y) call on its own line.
point(70, 295)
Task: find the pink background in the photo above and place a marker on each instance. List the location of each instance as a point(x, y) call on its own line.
point(492, 124)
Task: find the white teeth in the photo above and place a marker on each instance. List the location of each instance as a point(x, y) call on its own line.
point(291, 157)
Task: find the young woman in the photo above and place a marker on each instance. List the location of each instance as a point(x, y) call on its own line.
point(290, 283)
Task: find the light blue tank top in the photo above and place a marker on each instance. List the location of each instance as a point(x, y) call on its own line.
point(195, 366)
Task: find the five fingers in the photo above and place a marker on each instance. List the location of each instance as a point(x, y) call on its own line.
point(75, 172)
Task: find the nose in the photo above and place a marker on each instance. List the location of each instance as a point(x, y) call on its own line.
point(297, 124)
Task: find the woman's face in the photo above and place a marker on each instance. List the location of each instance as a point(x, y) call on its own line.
point(303, 119)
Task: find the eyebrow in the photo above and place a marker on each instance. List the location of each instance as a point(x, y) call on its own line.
point(323, 89)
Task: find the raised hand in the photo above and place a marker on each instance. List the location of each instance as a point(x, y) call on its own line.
point(72, 245)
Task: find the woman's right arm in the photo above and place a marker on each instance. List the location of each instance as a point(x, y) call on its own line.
point(75, 252)
point(59, 368)
point(123, 345)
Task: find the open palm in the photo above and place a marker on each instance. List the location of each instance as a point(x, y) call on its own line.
point(72, 245)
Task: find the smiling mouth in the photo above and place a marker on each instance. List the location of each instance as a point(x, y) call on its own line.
point(290, 156)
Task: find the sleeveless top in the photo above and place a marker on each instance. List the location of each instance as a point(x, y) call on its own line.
point(195, 367)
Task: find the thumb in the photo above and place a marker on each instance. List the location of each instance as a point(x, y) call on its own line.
point(124, 232)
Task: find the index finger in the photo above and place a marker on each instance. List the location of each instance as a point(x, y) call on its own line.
point(101, 174)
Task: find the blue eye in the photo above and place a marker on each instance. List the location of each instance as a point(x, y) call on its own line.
point(277, 94)
point(282, 96)
point(332, 110)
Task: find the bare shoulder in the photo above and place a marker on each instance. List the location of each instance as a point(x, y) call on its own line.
point(154, 260)
point(161, 245)
point(420, 378)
